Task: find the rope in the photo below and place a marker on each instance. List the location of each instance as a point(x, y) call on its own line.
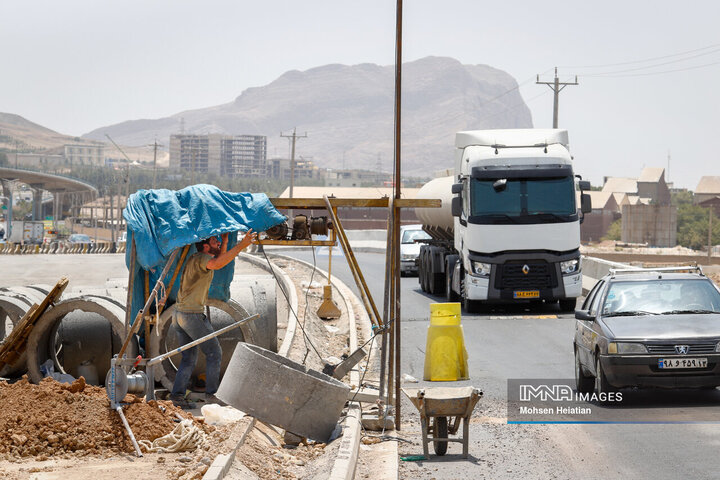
point(185, 437)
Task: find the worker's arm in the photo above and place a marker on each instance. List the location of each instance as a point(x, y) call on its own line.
point(227, 256)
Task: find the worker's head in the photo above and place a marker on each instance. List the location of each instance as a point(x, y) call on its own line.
point(210, 245)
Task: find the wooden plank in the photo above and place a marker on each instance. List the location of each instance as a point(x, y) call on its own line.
point(300, 203)
point(14, 345)
point(418, 203)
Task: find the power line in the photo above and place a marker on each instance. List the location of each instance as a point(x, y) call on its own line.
point(651, 66)
point(642, 61)
point(695, 67)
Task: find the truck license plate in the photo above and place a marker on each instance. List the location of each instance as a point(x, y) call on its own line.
point(682, 363)
point(526, 294)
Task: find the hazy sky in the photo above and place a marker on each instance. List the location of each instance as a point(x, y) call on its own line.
point(74, 65)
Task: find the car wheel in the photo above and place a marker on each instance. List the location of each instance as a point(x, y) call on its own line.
point(567, 304)
point(602, 387)
point(583, 383)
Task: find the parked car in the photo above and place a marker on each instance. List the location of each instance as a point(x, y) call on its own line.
point(77, 238)
point(649, 328)
point(409, 248)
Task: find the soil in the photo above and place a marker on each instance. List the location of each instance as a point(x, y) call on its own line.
point(55, 419)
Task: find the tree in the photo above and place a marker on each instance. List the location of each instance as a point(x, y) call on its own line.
point(614, 231)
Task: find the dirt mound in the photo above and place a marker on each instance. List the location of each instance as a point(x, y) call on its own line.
point(56, 419)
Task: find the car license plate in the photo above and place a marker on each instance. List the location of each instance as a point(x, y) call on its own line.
point(527, 294)
point(682, 363)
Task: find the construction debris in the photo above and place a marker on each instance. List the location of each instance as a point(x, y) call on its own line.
point(51, 419)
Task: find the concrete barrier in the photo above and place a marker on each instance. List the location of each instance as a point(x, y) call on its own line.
point(593, 269)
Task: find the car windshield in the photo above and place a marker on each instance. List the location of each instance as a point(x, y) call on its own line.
point(661, 296)
point(409, 236)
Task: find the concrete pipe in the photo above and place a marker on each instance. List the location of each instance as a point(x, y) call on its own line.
point(258, 295)
point(296, 398)
point(222, 314)
point(78, 334)
point(13, 308)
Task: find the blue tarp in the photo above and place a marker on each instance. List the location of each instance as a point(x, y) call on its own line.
point(159, 221)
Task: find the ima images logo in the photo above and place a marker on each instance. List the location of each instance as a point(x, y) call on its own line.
point(544, 393)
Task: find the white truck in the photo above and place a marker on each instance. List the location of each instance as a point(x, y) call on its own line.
point(27, 231)
point(509, 228)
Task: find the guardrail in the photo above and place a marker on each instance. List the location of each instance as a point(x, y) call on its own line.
point(61, 248)
point(593, 269)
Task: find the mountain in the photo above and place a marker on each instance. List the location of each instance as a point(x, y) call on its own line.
point(347, 112)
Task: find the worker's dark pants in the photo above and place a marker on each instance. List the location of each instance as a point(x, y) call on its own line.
point(189, 327)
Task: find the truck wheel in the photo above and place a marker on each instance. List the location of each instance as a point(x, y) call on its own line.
point(437, 283)
point(567, 304)
point(424, 275)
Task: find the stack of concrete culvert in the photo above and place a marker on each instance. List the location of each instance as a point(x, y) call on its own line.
point(81, 333)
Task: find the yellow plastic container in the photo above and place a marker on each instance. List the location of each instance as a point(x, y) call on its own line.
point(445, 353)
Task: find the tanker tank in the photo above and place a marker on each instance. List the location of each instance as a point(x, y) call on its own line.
point(438, 222)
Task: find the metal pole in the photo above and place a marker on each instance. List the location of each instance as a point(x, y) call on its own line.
point(556, 100)
point(131, 284)
point(160, 358)
point(710, 215)
point(154, 164)
point(127, 428)
point(396, 217)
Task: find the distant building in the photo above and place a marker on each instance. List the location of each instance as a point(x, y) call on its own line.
point(36, 160)
point(605, 210)
point(356, 178)
point(279, 168)
point(227, 155)
point(647, 216)
point(707, 189)
point(84, 154)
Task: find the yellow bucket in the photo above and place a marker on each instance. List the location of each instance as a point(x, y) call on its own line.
point(445, 353)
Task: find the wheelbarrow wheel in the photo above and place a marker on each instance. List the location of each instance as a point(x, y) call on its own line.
point(440, 430)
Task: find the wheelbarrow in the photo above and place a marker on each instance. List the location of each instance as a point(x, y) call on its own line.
point(445, 406)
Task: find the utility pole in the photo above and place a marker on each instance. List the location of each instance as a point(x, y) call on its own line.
point(155, 145)
point(294, 137)
point(192, 167)
point(710, 215)
point(556, 86)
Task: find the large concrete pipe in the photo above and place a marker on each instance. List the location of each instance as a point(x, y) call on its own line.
point(13, 308)
point(222, 314)
point(79, 335)
point(258, 295)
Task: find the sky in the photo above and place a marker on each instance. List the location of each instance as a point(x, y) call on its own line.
point(648, 71)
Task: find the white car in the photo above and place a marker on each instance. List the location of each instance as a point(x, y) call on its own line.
point(409, 248)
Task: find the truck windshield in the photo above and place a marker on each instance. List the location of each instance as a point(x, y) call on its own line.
point(524, 200)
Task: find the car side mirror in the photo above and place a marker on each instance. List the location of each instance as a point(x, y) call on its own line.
point(585, 203)
point(584, 315)
point(456, 188)
point(456, 206)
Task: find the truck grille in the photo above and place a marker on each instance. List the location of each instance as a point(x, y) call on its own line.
point(669, 348)
point(540, 275)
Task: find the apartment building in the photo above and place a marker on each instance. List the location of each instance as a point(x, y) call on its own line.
point(227, 155)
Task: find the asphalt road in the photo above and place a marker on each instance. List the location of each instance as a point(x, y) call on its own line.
point(518, 344)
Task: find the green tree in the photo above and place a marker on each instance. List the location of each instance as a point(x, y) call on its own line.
point(692, 222)
point(614, 232)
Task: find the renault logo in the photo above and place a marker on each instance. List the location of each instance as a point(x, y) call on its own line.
point(682, 349)
point(526, 269)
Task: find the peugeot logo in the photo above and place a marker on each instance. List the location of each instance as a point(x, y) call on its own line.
point(526, 269)
point(682, 349)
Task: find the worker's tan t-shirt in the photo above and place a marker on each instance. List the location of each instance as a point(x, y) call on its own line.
point(194, 284)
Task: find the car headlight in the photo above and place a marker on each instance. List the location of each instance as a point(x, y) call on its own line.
point(480, 268)
point(622, 348)
point(570, 266)
point(407, 256)
point(717, 347)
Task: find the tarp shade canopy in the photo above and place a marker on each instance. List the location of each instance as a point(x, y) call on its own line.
point(159, 221)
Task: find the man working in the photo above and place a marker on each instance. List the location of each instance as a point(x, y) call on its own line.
point(190, 320)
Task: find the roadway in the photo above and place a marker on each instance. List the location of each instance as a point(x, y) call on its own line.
point(515, 344)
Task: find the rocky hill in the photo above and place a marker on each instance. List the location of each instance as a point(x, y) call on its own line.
point(347, 111)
